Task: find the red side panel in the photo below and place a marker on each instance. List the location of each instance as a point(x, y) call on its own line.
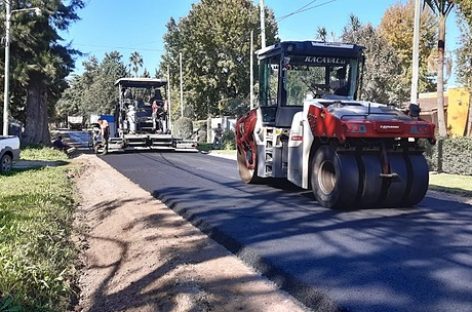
point(324, 124)
point(245, 137)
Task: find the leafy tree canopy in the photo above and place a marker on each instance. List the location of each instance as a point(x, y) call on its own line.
point(214, 39)
point(464, 53)
point(465, 8)
point(382, 81)
point(397, 28)
point(94, 90)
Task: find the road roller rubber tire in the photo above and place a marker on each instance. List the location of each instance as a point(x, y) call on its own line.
point(248, 176)
point(334, 178)
point(418, 179)
point(397, 186)
point(372, 182)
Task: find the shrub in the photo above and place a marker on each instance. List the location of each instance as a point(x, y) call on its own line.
point(202, 132)
point(202, 136)
point(451, 156)
point(229, 140)
point(183, 128)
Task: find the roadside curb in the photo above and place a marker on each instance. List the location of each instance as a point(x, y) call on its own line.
point(453, 197)
point(37, 164)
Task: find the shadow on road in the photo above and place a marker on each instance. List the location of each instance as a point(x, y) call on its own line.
point(402, 255)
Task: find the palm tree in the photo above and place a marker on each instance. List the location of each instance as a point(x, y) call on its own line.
point(442, 8)
point(136, 61)
point(321, 34)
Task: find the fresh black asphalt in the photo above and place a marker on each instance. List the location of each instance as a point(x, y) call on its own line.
point(413, 259)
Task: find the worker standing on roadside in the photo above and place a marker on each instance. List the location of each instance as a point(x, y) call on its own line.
point(155, 111)
point(105, 132)
point(218, 137)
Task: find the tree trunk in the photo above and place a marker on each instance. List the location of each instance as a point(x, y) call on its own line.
point(441, 46)
point(36, 128)
point(469, 123)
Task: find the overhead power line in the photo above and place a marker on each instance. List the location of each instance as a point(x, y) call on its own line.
point(304, 9)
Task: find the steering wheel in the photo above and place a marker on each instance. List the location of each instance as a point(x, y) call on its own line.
point(319, 90)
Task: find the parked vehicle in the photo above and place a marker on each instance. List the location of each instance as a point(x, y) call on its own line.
point(310, 129)
point(75, 122)
point(9, 152)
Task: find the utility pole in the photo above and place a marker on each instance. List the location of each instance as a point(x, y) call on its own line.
point(416, 53)
point(6, 98)
point(181, 88)
point(263, 35)
point(251, 65)
point(169, 106)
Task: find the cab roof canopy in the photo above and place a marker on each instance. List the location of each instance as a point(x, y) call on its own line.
point(312, 48)
point(140, 82)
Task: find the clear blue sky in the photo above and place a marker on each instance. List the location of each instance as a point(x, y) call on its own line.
point(139, 25)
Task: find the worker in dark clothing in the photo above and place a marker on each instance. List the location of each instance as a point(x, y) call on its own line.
point(105, 132)
point(66, 148)
point(217, 140)
point(127, 94)
point(158, 111)
point(156, 97)
point(340, 86)
point(60, 145)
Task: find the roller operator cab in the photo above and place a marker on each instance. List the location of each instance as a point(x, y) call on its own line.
point(310, 128)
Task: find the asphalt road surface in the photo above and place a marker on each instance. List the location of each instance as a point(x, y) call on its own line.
point(416, 259)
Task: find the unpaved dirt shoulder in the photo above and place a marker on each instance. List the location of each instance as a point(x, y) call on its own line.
point(141, 256)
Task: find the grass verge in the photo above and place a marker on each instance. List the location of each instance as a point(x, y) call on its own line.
point(36, 254)
point(208, 147)
point(451, 183)
point(224, 152)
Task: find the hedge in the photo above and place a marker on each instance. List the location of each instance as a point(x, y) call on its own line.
point(451, 156)
point(229, 140)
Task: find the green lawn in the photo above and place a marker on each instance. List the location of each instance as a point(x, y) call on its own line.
point(451, 183)
point(36, 254)
point(45, 153)
point(205, 147)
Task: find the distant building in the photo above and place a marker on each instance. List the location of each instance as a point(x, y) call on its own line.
point(456, 110)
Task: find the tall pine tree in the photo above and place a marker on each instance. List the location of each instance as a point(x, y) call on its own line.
point(40, 61)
